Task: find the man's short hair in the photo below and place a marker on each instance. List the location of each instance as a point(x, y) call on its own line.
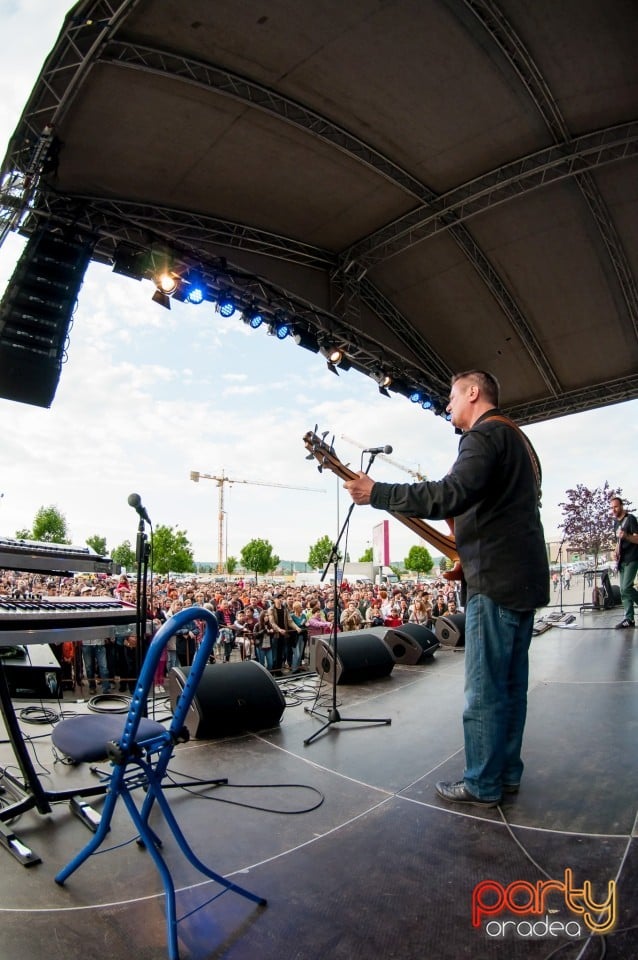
point(486, 382)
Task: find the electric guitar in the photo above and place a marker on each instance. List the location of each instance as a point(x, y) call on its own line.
point(444, 543)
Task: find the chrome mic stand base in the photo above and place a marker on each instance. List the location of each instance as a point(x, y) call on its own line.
point(333, 716)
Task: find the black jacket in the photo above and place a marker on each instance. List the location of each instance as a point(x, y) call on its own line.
point(492, 493)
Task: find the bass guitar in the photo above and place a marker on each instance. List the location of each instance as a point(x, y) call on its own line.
point(325, 455)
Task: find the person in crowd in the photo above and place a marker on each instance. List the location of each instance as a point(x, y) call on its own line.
point(420, 612)
point(187, 636)
point(374, 617)
point(242, 633)
point(94, 658)
point(626, 530)
point(262, 638)
point(351, 618)
point(439, 607)
point(285, 633)
point(493, 493)
point(300, 620)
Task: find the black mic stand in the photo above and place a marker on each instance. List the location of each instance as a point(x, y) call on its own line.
point(333, 716)
point(559, 561)
point(142, 550)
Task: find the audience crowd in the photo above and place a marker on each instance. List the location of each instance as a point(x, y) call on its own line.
point(269, 621)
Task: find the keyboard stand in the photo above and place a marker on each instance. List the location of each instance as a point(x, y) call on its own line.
point(30, 794)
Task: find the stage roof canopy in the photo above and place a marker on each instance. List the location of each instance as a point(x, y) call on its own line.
point(430, 185)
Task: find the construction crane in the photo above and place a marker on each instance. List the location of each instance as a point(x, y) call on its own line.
point(196, 476)
point(413, 473)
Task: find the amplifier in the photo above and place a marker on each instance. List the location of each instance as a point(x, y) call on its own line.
point(32, 672)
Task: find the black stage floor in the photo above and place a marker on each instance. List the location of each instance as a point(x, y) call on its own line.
point(347, 840)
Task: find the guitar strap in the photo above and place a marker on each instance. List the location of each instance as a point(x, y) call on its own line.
point(536, 464)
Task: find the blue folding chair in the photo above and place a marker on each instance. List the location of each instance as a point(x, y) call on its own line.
point(139, 759)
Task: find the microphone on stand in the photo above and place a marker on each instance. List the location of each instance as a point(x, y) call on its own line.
point(387, 449)
point(135, 501)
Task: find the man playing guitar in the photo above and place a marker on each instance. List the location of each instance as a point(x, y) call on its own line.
point(626, 529)
point(492, 492)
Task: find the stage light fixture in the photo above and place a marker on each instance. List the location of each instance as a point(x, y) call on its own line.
point(331, 352)
point(196, 290)
point(162, 298)
point(304, 338)
point(281, 330)
point(226, 304)
point(253, 317)
point(167, 283)
point(383, 379)
point(415, 396)
point(426, 403)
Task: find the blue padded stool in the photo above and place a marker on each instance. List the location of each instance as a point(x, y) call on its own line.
point(140, 751)
point(86, 739)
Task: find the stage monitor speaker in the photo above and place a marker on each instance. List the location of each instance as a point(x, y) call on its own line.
point(450, 630)
point(230, 698)
point(35, 314)
point(361, 655)
point(411, 643)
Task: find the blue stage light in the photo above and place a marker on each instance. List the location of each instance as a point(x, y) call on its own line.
point(226, 305)
point(426, 403)
point(282, 330)
point(415, 397)
point(253, 317)
point(196, 293)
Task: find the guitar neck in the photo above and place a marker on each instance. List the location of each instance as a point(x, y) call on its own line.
point(326, 457)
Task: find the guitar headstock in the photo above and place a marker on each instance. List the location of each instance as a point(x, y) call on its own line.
point(324, 453)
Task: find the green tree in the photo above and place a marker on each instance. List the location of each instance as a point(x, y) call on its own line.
point(97, 543)
point(419, 560)
point(319, 553)
point(24, 534)
point(258, 557)
point(231, 564)
point(366, 556)
point(49, 526)
point(124, 555)
point(587, 519)
point(172, 551)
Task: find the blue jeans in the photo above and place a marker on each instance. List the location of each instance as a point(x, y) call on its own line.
point(628, 593)
point(94, 657)
point(496, 675)
point(264, 655)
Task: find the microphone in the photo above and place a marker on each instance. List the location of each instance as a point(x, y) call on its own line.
point(135, 501)
point(386, 449)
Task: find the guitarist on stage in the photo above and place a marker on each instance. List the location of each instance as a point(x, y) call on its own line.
point(626, 530)
point(493, 494)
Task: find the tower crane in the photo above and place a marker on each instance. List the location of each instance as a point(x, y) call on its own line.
point(222, 479)
point(413, 473)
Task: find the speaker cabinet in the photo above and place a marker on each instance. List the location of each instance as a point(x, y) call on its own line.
point(230, 698)
point(35, 314)
point(361, 655)
point(32, 673)
point(411, 643)
point(450, 630)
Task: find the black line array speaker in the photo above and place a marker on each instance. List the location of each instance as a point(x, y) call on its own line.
point(35, 314)
point(411, 643)
point(450, 630)
point(230, 698)
point(361, 655)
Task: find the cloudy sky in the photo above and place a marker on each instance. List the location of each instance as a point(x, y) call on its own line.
point(148, 395)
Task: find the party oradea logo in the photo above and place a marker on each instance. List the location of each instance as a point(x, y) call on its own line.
point(543, 910)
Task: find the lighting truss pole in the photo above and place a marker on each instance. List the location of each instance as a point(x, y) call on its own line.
point(222, 479)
